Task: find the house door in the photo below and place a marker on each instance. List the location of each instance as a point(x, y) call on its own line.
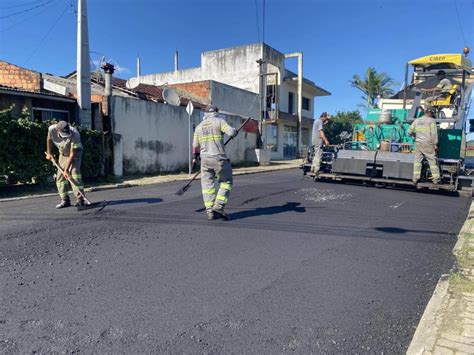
point(289, 142)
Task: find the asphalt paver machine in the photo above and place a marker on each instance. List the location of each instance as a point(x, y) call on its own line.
point(380, 150)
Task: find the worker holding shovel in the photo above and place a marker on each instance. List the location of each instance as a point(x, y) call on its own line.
point(216, 170)
point(68, 141)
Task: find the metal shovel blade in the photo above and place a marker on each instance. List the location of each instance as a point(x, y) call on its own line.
point(92, 205)
point(182, 190)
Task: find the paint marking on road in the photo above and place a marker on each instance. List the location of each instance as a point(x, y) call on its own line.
point(395, 206)
point(316, 195)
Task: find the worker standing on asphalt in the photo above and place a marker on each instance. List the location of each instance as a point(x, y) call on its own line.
point(426, 144)
point(216, 170)
point(68, 141)
point(318, 140)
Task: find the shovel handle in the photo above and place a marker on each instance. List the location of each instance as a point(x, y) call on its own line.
point(70, 179)
point(186, 187)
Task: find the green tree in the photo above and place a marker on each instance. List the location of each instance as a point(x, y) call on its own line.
point(342, 121)
point(372, 85)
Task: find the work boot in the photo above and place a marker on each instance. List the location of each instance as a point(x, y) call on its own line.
point(79, 202)
point(211, 215)
point(220, 213)
point(64, 204)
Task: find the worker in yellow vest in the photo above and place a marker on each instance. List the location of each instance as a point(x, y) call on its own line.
point(425, 131)
point(216, 170)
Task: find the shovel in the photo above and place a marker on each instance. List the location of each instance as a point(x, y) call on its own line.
point(88, 205)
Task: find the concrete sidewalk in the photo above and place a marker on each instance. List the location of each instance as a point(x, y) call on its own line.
point(447, 325)
point(149, 180)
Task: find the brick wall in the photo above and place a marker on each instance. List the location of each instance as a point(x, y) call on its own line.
point(199, 89)
point(14, 76)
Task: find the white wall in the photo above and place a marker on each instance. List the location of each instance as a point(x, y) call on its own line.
point(173, 77)
point(154, 136)
point(233, 100)
point(285, 88)
point(236, 66)
point(236, 149)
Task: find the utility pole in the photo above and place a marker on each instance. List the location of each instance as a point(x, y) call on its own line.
point(260, 63)
point(83, 67)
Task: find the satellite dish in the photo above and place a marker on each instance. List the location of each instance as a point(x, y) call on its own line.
point(171, 97)
point(132, 83)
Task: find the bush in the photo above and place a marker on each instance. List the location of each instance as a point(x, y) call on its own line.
point(22, 147)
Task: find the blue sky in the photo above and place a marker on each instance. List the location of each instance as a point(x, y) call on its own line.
point(339, 38)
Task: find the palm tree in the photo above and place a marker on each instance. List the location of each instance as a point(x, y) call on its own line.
point(373, 85)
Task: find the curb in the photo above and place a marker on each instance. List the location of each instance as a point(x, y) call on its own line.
point(429, 327)
point(177, 178)
point(426, 332)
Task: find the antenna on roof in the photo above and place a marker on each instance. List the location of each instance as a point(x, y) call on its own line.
point(138, 68)
point(132, 83)
point(171, 97)
point(176, 60)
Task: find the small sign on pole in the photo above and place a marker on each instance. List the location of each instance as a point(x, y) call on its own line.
point(189, 110)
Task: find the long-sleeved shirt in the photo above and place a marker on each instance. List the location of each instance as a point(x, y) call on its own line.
point(425, 130)
point(209, 136)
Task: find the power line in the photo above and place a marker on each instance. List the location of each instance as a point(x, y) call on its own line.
point(460, 23)
point(20, 5)
point(256, 16)
point(47, 34)
point(28, 18)
point(27, 10)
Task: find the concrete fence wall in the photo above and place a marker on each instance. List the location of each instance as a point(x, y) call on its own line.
point(154, 136)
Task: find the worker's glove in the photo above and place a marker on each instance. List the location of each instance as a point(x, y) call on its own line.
point(196, 161)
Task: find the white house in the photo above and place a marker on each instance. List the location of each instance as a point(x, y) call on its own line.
point(258, 69)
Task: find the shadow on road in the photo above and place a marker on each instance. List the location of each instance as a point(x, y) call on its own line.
point(134, 200)
point(265, 211)
point(396, 230)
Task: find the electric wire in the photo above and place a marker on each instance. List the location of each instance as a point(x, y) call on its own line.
point(460, 23)
point(28, 18)
point(26, 10)
point(256, 16)
point(20, 5)
point(47, 34)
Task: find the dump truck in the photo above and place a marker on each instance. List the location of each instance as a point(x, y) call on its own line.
point(379, 151)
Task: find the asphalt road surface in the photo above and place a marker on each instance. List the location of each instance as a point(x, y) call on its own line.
point(302, 267)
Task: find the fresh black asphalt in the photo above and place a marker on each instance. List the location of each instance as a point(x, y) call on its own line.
point(302, 267)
